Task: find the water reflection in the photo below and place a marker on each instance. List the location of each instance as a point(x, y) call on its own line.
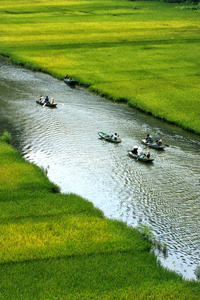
point(164, 195)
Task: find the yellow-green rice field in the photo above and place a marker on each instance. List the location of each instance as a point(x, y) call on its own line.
point(143, 52)
point(57, 246)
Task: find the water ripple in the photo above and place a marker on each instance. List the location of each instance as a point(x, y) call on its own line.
point(163, 195)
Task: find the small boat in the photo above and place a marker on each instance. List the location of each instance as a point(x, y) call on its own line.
point(49, 104)
point(153, 145)
point(70, 81)
point(109, 138)
point(141, 158)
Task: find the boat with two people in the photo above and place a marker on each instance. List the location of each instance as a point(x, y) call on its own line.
point(154, 144)
point(114, 138)
point(70, 81)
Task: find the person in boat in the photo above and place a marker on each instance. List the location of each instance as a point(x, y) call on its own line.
point(66, 76)
point(135, 149)
point(148, 154)
point(114, 136)
point(42, 99)
point(46, 99)
point(150, 139)
point(140, 152)
point(52, 100)
point(147, 138)
point(159, 142)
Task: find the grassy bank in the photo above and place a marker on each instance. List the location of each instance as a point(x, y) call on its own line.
point(56, 246)
point(145, 53)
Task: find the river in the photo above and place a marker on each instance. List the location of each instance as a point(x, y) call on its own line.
point(163, 195)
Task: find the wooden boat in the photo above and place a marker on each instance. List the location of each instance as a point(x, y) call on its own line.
point(109, 138)
point(153, 145)
point(49, 104)
point(141, 158)
point(70, 81)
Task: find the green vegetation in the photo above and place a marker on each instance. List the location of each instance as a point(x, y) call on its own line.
point(6, 137)
point(143, 52)
point(56, 246)
point(183, 1)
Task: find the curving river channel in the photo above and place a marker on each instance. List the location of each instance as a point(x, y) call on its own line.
point(163, 195)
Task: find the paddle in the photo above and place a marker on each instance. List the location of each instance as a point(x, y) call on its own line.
point(61, 103)
point(122, 140)
point(44, 104)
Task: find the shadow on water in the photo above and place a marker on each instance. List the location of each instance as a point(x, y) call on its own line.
point(163, 195)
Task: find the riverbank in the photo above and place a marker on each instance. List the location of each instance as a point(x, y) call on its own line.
point(59, 246)
point(135, 52)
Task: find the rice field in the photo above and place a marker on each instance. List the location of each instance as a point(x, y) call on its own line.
point(58, 246)
point(143, 52)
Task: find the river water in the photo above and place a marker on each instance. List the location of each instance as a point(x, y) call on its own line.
point(163, 195)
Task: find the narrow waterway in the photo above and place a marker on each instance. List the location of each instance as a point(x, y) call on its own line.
point(163, 195)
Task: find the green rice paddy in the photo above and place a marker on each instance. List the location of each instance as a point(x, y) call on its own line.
point(143, 52)
point(56, 246)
